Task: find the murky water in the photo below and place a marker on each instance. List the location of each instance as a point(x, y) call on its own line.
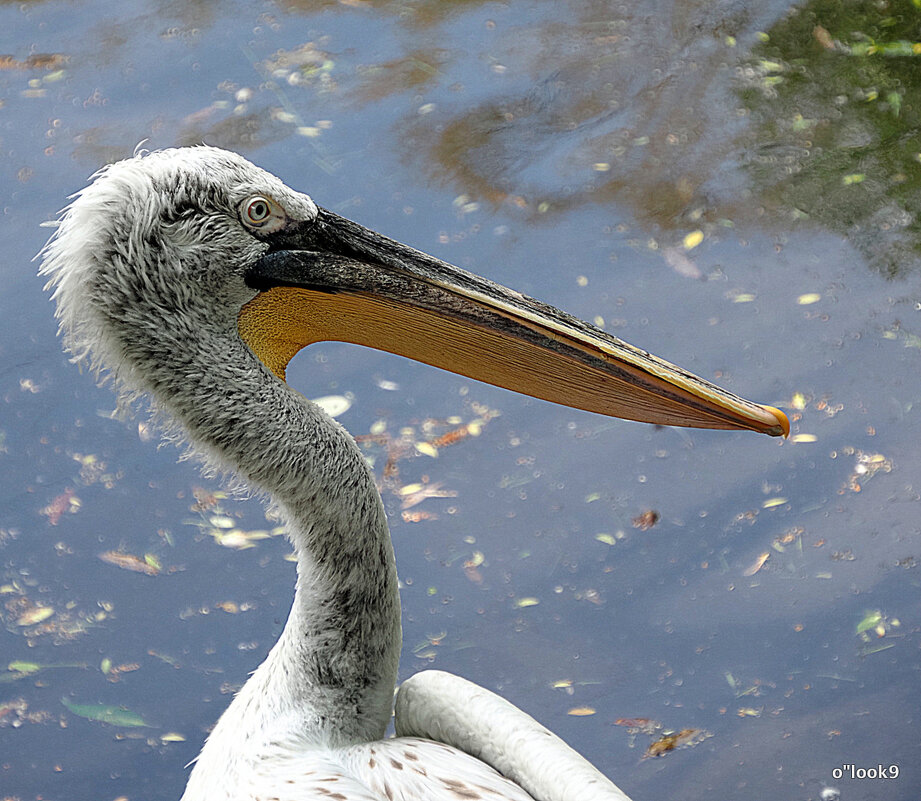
point(732, 186)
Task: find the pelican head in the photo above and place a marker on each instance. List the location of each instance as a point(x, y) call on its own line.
point(193, 248)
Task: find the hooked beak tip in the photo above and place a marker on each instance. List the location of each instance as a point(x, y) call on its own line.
point(782, 420)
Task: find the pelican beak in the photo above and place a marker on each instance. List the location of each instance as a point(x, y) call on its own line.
point(334, 280)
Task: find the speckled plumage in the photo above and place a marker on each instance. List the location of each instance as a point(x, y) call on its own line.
point(147, 267)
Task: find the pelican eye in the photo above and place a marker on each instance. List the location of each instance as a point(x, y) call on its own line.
point(257, 210)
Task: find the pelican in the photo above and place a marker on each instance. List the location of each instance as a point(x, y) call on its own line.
point(192, 276)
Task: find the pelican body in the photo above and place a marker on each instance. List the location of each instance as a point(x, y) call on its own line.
point(193, 277)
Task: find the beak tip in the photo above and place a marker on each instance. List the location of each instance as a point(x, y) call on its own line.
point(783, 423)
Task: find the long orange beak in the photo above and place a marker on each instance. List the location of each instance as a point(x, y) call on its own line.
point(338, 281)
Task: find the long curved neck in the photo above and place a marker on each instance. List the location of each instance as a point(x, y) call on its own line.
point(329, 679)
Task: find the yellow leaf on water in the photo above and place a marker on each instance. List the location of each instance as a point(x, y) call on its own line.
point(808, 298)
point(521, 603)
point(803, 438)
point(581, 711)
point(427, 449)
point(757, 564)
point(770, 503)
point(693, 239)
point(35, 615)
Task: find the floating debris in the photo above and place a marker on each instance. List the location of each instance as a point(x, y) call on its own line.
point(867, 465)
point(523, 603)
point(771, 503)
point(37, 61)
point(414, 494)
point(736, 296)
point(873, 627)
point(35, 615)
point(646, 520)
point(798, 401)
point(686, 738)
point(15, 711)
point(472, 565)
point(65, 503)
point(149, 565)
point(693, 239)
point(114, 715)
point(757, 564)
point(581, 711)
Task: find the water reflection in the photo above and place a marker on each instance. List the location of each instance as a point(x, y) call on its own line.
point(835, 137)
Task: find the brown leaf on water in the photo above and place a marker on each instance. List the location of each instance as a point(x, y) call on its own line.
point(37, 61)
point(65, 503)
point(682, 739)
point(646, 520)
point(456, 435)
point(127, 561)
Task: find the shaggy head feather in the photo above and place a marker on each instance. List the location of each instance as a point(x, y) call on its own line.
point(153, 241)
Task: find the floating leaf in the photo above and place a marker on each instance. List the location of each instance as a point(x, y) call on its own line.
point(770, 503)
point(693, 239)
point(809, 298)
point(683, 738)
point(870, 620)
point(172, 737)
point(24, 667)
point(581, 711)
point(115, 715)
point(521, 603)
point(757, 564)
point(803, 438)
point(35, 615)
point(607, 539)
point(646, 520)
point(127, 561)
point(427, 449)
